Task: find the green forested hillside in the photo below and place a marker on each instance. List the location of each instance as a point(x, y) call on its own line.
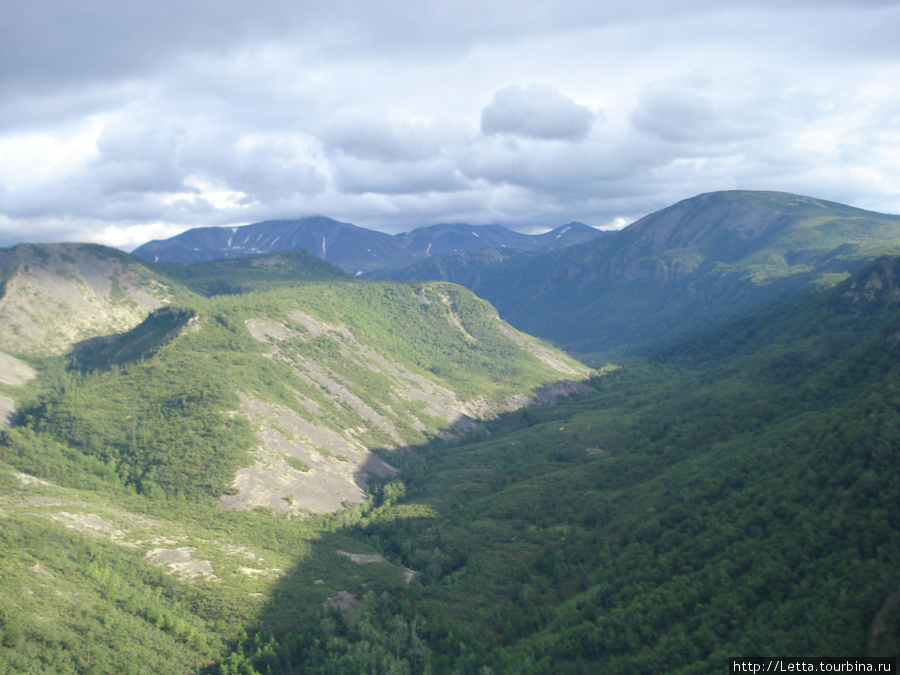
point(118, 553)
point(732, 495)
point(737, 496)
point(253, 273)
point(162, 403)
point(675, 273)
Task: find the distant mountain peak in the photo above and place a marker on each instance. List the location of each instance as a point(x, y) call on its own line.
point(354, 249)
point(687, 265)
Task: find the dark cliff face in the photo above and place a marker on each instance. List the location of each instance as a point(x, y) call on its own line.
point(870, 297)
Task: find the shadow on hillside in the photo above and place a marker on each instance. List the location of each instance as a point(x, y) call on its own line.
point(368, 554)
point(341, 566)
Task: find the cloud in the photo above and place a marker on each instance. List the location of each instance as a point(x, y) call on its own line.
point(118, 119)
point(356, 176)
point(373, 135)
point(699, 109)
point(538, 111)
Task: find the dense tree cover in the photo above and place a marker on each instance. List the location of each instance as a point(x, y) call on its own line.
point(75, 604)
point(163, 422)
point(75, 599)
point(253, 273)
point(698, 508)
point(737, 495)
point(143, 341)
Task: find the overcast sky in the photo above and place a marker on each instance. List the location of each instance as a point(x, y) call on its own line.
point(124, 121)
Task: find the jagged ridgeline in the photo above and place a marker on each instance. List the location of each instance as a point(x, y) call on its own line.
point(326, 369)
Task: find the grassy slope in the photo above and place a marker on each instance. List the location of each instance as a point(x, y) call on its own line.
point(54, 296)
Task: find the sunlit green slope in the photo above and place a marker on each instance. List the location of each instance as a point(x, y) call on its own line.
point(331, 371)
point(162, 483)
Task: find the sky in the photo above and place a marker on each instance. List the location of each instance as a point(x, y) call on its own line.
point(125, 121)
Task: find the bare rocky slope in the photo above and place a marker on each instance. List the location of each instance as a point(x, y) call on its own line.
point(53, 296)
point(326, 371)
point(308, 461)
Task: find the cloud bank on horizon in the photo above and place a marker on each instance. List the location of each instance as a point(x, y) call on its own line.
point(125, 121)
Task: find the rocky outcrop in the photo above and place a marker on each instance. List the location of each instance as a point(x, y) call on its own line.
point(306, 463)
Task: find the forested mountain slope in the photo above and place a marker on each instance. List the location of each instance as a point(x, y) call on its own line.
point(245, 274)
point(160, 482)
point(331, 368)
point(739, 495)
point(446, 238)
point(309, 472)
point(676, 272)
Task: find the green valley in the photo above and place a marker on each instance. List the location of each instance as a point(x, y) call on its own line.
point(162, 480)
point(277, 468)
point(693, 508)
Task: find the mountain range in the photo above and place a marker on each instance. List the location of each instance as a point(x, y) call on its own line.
point(596, 293)
point(674, 272)
point(266, 464)
point(354, 249)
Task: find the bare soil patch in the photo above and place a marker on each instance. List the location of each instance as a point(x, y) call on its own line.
point(363, 558)
point(7, 412)
point(343, 602)
point(181, 562)
point(273, 483)
point(14, 371)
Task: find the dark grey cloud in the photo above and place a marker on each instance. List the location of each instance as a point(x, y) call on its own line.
point(45, 43)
